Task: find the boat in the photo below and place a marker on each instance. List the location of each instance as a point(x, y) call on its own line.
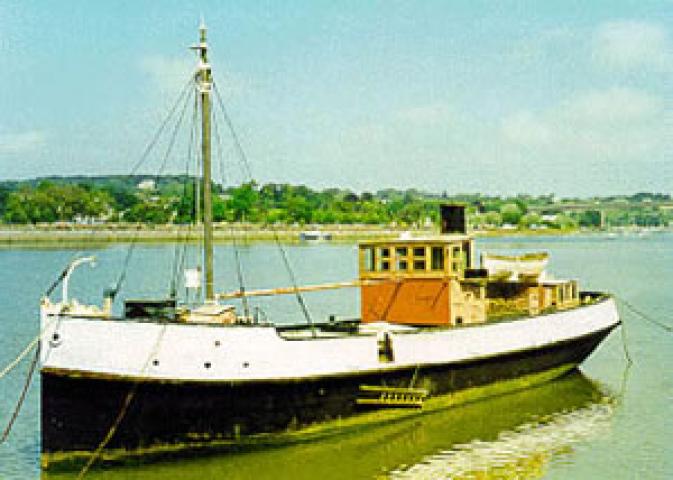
point(314, 236)
point(168, 375)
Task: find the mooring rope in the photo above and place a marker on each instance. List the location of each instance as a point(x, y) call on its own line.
point(12, 365)
point(644, 316)
point(625, 347)
point(128, 399)
point(22, 397)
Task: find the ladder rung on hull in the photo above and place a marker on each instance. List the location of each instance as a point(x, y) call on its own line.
point(373, 395)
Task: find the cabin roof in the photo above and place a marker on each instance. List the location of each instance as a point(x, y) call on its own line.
point(404, 240)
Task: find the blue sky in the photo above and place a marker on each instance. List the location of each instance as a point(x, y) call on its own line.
point(567, 97)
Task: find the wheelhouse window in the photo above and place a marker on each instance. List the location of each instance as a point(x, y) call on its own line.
point(456, 259)
point(402, 264)
point(437, 258)
point(419, 265)
point(419, 258)
point(384, 253)
point(369, 259)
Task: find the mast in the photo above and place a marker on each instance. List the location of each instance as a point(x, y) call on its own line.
point(204, 82)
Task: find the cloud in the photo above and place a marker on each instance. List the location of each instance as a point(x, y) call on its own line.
point(523, 128)
point(626, 45)
point(616, 123)
point(21, 142)
point(168, 74)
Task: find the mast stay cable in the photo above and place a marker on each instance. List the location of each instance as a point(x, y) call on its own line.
point(246, 165)
point(179, 254)
point(236, 249)
point(184, 93)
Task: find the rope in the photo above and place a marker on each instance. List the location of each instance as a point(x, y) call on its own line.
point(124, 408)
point(627, 355)
point(179, 255)
point(134, 388)
point(293, 279)
point(232, 130)
point(12, 365)
point(161, 128)
point(644, 316)
point(127, 261)
point(236, 249)
point(22, 397)
point(237, 254)
point(169, 147)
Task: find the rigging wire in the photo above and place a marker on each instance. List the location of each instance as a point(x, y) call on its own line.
point(234, 135)
point(179, 253)
point(134, 240)
point(171, 143)
point(134, 388)
point(161, 128)
point(246, 165)
point(293, 279)
point(236, 249)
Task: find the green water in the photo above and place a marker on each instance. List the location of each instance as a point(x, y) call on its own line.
point(607, 422)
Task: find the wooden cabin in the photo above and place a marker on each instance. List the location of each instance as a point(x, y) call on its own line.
point(421, 281)
point(432, 281)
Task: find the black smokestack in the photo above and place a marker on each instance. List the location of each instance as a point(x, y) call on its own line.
point(454, 219)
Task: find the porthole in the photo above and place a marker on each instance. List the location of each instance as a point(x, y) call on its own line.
point(246, 364)
point(155, 362)
point(55, 340)
point(207, 365)
point(217, 343)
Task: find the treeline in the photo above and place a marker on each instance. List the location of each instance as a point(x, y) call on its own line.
point(170, 199)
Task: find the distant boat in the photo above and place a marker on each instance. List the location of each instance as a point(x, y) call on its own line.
point(314, 236)
point(172, 374)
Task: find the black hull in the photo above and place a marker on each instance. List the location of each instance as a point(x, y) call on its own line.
point(77, 413)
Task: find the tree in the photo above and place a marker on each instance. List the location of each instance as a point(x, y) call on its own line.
point(242, 200)
point(590, 218)
point(493, 219)
point(530, 219)
point(511, 213)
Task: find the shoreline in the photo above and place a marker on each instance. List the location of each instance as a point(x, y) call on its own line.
point(123, 233)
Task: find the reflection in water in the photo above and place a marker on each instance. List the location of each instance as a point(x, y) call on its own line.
point(512, 436)
point(521, 453)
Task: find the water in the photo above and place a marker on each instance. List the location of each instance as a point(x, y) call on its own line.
point(608, 422)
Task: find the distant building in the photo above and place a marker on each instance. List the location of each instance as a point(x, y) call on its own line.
point(147, 185)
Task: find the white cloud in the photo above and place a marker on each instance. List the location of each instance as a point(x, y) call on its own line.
point(617, 123)
point(168, 74)
point(611, 106)
point(523, 128)
point(21, 142)
point(625, 45)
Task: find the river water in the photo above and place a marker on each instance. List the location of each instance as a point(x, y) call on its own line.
point(608, 421)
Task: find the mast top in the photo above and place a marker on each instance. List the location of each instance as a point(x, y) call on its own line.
point(203, 71)
point(202, 29)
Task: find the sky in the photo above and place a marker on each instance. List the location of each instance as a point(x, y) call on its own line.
point(566, 97)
